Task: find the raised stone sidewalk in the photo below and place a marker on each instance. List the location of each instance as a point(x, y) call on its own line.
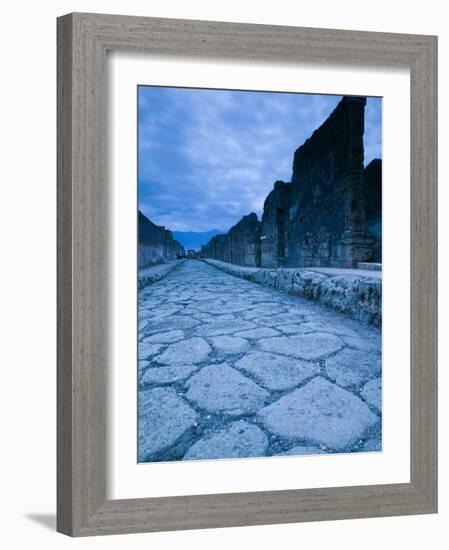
point(354, 292)
point(149, 275)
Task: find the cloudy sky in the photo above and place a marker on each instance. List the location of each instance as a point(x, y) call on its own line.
point(209, 157)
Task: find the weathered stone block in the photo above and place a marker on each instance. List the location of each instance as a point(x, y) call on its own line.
point(222, 389)
point(191, 351)
point(275, 372)
point(240, 439)
point(319, 412)
point(310, 347)
point(372, 393)
point(352, 368)
point(163, 419)
point(166, 375)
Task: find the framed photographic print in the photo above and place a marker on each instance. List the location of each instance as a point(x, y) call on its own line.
point(246, 274)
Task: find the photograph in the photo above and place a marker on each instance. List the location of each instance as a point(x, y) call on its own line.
point(259, 256)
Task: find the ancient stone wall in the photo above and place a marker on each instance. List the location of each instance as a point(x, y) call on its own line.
point(241, 245)
point(373, 206)
point(217, 248)
point(329, 215)
point(244, 241)
point(275, 226)
point(156, 244)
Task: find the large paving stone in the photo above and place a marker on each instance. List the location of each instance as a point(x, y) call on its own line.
point(203, 317)
point(148, 350)
point(313, 346)
point(187, 352)
point(372, 393)
point(330, 326)
point(263, 310)
point(181, 297)
point(218, 318)
point(199, 296)
point(166, 375)
point(177, 322)
point(276, 372)
point(369, 342)
point(230, 344)
point(222, 389)
point(280, 319)
point(163, 418)
point(217, 328)
point(351, 367)
point(158, 312)
point(162, 312)
point(256, 333)
point(238, 440)
point(319, 412)
point(217, 307)
point(165, 337)
point(141, 328)
point(148, 303)
point(293, 329)
point(261, 296)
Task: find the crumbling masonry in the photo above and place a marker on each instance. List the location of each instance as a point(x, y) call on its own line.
point(329, 215)
point(156, 244)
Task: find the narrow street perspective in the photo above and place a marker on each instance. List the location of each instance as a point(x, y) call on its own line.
point(260, 274)
point(229, 368)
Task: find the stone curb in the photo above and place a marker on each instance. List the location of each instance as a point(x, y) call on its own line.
point(162, 271)
point(357, 296)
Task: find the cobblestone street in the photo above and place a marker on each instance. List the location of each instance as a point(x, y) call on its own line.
point(228, 368)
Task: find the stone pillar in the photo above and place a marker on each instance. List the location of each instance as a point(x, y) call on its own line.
point(357, 245)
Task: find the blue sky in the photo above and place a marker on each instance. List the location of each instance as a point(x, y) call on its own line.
point(209, 157)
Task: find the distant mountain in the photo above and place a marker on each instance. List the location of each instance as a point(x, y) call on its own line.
point(193, 240)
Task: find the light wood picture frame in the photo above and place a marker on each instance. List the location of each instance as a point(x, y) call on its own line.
point(83, 40)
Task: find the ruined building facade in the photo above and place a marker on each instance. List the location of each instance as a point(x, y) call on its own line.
point(329, 215)
point(241, 244)
point(156, 244)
